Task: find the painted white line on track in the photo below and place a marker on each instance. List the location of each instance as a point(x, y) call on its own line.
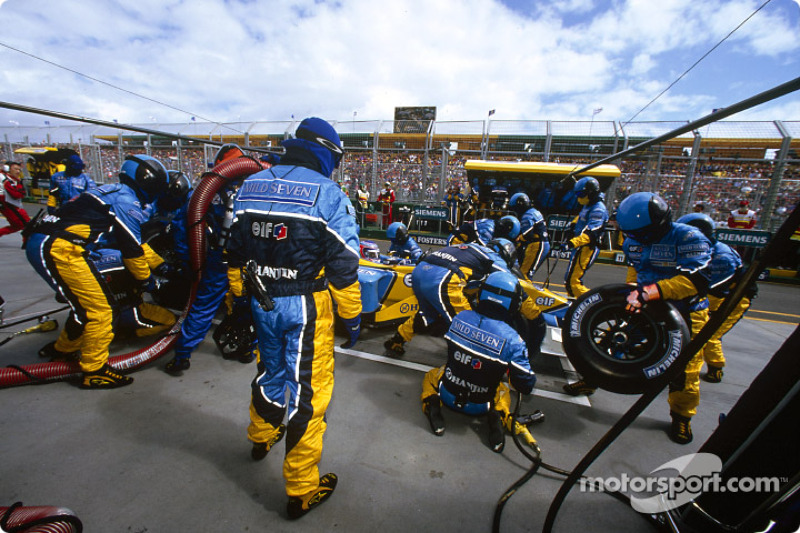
point(383, 359)
point(578, 400)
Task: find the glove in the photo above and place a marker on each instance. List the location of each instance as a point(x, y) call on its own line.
point(473, 285)
point(241, 305)
point(639, 296)
point(353, 326)
point(567, 246)
point(150, 285)
point(163, 270)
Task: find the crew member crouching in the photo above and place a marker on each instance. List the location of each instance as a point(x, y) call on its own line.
point(482, 346)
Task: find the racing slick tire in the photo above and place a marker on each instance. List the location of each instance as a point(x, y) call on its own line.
point(618, 351)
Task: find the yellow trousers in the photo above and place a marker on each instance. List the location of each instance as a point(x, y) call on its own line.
point(712, 351)
point(502, 400)
point(684, 391)
point(80, 282)
point(296, 343)
point(581, 260)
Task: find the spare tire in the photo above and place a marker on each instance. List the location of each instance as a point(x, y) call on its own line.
point(618, 351)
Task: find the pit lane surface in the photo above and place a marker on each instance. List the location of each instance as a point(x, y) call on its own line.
point(170, 454)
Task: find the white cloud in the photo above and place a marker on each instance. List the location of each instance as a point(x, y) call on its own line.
point(642, 64)
point(267, 60)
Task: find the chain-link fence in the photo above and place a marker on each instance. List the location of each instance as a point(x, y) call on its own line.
point(718, 165)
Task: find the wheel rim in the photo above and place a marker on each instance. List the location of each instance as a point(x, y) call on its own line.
point(621, 337)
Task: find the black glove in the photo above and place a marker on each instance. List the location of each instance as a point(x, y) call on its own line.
point(241, 305)
point(353, 326)
point(150, 285)
point(163, 270)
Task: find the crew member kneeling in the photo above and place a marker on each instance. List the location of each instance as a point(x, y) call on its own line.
point(482, 346)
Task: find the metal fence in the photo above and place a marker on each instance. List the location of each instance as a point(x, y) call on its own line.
point(719, 165)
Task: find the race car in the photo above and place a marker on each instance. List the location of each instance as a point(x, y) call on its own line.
point(387, 299)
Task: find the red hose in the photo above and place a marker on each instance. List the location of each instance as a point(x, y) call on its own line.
point(211, 182)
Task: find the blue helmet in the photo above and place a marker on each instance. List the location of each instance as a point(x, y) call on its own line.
point(587, 187)
point(318, 137)
point(74, 165)
point(501, 288)
point(644, 216)
point(519, 201)
point(397, 231)
point(700, 221)
point(505, 249)
point(507, 228)
point(146, 174)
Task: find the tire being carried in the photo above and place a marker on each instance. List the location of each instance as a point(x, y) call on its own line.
point(618, 351)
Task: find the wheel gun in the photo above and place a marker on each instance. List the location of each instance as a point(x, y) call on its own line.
point(256, 286)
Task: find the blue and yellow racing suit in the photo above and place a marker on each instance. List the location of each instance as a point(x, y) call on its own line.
point(589, 226)
point(300, 231)
point(58, 250)
point(533, 244)
point(679, 265)
point(64, 188)
point(439, 281)
point(479, 231)
point(480, 352)
point(408, 250)
point(726, 270)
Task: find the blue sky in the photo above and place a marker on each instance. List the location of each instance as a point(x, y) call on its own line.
point(242, 60)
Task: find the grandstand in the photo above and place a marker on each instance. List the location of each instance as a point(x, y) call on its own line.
point(720, 164)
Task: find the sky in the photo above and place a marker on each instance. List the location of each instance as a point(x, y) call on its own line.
point(270, 60)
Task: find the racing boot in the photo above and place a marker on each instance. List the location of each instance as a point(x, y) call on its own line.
point(394, 346)
point(49, 351)
point(579, 388)
point(105, 378)
point(714, 374)
point(432, 407)
point(497, 434)
point(177, 365)
point(246, 358)
point(261, 449)
point(681, 429)
point(297, 506)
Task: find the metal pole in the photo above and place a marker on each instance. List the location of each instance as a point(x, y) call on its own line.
point(375, 154)
point(688, 181)
point(765, 219)
point(485, 139)
point(128, 127)
point(120, 151)
point(443, 175)
point(548, 143)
